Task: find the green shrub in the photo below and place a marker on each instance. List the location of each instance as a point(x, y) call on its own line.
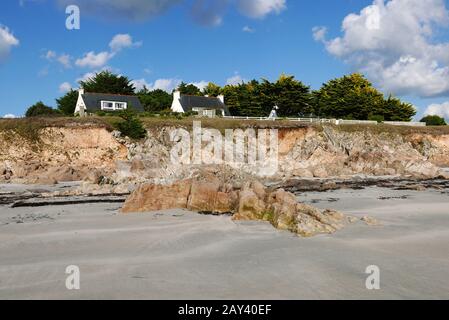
point(131, 126)
point(434, 121)
point(101, 113)
point(376, 117)
point(41, 110)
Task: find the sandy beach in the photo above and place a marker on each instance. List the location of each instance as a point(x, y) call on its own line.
point(182, 255)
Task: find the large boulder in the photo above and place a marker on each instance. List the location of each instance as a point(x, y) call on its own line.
point(252, 202)
point(210, 196)
point(152, 197)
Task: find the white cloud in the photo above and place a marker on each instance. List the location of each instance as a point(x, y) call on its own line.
point(167, 85)
point(97, 60)
point(94, 60)
point(86, 76)
point(7, 41)
point(441, 110)
point(131, 9)
point(122, 41)
point(65, 87)
point(261, 8)
point(209, 12)
point(139, 84)
point(9, 116)
point(248, 29)
point(50, 55)
point(200, 85)
point(235, 80)
point(64, 59)
point(205, 12)
point(319, 33)
point(91, 74)
point(395, 44)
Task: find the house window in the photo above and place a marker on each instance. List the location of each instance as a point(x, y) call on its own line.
point(107, 105)
point(113, 105)
point(119, 105)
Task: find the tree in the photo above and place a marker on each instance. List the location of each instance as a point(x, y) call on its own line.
point(291, 96)
point(396, 110)
point(131, 126)
point(212, 90)
point(354, 97)
point(189, 89)
point(107, 82)
point(39, 109)
point(243, 99)
point(258, 98)
point(156, 100)
point(67, 103)
point(434, 120)
point(349, 97)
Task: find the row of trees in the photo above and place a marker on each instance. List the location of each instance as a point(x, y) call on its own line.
point(348, 97)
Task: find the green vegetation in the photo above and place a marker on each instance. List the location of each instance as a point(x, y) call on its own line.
point(354, 97)
point(39, 109)
point(258, 98)
point(189, 89)
point(131, 126)
point(107, 82)
point(154, 101)
point(348, 97)
point(67, 103)
point(212, 90)
point(434, 121)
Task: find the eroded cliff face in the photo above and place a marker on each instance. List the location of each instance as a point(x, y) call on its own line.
point(60, 154)
point(305, 153)
point(333, 153)
point(97, 155)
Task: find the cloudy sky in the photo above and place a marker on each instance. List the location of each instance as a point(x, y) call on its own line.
point(402, 46)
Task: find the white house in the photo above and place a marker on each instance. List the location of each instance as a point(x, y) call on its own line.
point(89, 103)
point(204, 106)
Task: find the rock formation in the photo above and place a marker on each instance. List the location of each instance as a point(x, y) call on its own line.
point(252, 202)
point(92, 153)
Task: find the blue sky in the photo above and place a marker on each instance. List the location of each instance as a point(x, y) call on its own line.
point(400, 45)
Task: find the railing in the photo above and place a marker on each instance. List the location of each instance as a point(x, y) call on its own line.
point(409, 124)
point(331, 121)
point(367, 122)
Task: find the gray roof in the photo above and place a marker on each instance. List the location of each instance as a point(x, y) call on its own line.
point(189, 102)
point(93, 101)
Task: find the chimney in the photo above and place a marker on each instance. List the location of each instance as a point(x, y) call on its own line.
point(177, 95)
point(221, 98)
point(81, 91)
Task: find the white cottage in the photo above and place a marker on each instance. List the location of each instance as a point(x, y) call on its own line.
point(89, 103)
point(204, 106)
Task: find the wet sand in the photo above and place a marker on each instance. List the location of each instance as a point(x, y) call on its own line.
point(182, 255)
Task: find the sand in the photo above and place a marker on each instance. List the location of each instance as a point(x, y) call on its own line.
point(182, 255)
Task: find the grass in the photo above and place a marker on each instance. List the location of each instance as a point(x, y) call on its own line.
point(30, 128)
point(401, 130)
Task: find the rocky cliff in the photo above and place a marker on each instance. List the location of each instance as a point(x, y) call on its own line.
point(102, 156)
